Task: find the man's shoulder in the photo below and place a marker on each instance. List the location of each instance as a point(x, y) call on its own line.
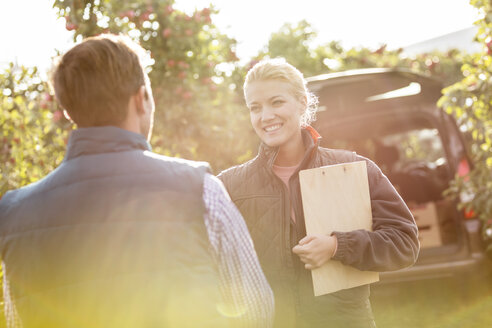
point(74, 171)
point(158, 161)
point(17, 196)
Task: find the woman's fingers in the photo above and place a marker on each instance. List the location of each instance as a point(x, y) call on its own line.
point(303, 246)
point(306, 240)
point(312, 262)
point(315, 250)
point(304, 259)
point(300, 249)
point(307, 259)
point(311, 266)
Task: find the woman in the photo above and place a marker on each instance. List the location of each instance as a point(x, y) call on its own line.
point(266, 191)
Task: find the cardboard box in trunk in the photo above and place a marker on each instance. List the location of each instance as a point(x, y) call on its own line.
point(427, 220)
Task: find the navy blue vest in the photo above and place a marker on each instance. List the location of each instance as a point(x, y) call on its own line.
point(114, 237)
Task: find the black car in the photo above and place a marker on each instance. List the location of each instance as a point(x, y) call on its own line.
point(391, 117)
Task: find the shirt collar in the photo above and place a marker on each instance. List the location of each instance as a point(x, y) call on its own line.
point(103, 139)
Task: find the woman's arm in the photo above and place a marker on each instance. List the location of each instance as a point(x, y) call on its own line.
point(393, 244)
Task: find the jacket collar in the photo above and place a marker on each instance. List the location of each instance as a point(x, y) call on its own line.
point(104, 139)
point(311, 139)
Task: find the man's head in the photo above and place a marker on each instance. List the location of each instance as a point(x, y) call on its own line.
point(102, 81)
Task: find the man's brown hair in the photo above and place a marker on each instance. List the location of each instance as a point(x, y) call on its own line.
point(94, 80)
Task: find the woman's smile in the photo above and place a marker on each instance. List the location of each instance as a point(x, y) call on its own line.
point(273, 127)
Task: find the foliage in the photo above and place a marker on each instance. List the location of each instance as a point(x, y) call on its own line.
point(196, 110)
point(34, 130)
point(470, 101)
point(297, 44)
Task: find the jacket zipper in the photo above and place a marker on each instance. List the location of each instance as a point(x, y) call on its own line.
point(284, 253)
point(286, 198)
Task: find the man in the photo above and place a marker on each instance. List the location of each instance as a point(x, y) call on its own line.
point(118, 236)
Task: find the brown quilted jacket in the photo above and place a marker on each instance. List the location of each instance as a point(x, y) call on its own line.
point(265, 202)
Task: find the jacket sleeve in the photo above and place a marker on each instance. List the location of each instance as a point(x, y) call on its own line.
point(393, 242)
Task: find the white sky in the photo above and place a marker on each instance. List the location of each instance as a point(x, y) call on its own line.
point(30, 31)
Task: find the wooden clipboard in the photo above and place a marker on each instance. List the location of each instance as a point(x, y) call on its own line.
point(336, 198)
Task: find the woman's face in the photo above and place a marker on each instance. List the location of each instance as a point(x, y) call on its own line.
point(275, 113)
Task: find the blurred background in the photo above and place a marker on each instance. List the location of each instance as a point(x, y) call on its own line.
point(199, 54)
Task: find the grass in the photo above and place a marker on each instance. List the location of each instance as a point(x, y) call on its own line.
point(445, 303)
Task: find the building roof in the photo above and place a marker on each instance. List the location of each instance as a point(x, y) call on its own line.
point(462, 40)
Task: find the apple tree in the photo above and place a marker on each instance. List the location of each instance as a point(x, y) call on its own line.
point(34, 130)
point(470, 101)
point(197, 113)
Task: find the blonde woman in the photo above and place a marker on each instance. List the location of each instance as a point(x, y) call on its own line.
point(266, 191)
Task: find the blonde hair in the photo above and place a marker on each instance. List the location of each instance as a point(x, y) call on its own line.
point(279, 69)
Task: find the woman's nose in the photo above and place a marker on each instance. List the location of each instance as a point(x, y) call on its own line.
point(267, 114)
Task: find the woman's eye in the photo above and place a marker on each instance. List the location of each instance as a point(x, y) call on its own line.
point(254, 109)
point(278, 102)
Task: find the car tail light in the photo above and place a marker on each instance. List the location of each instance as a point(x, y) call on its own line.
point(465, 196)
point(463, 168)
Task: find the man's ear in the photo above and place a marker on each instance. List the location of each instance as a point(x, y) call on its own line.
point(140, 97)
point(67, 116)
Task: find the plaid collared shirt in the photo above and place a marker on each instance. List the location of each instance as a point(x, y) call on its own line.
point(245, 290)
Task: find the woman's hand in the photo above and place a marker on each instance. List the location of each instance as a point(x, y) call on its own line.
point(316, 250)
